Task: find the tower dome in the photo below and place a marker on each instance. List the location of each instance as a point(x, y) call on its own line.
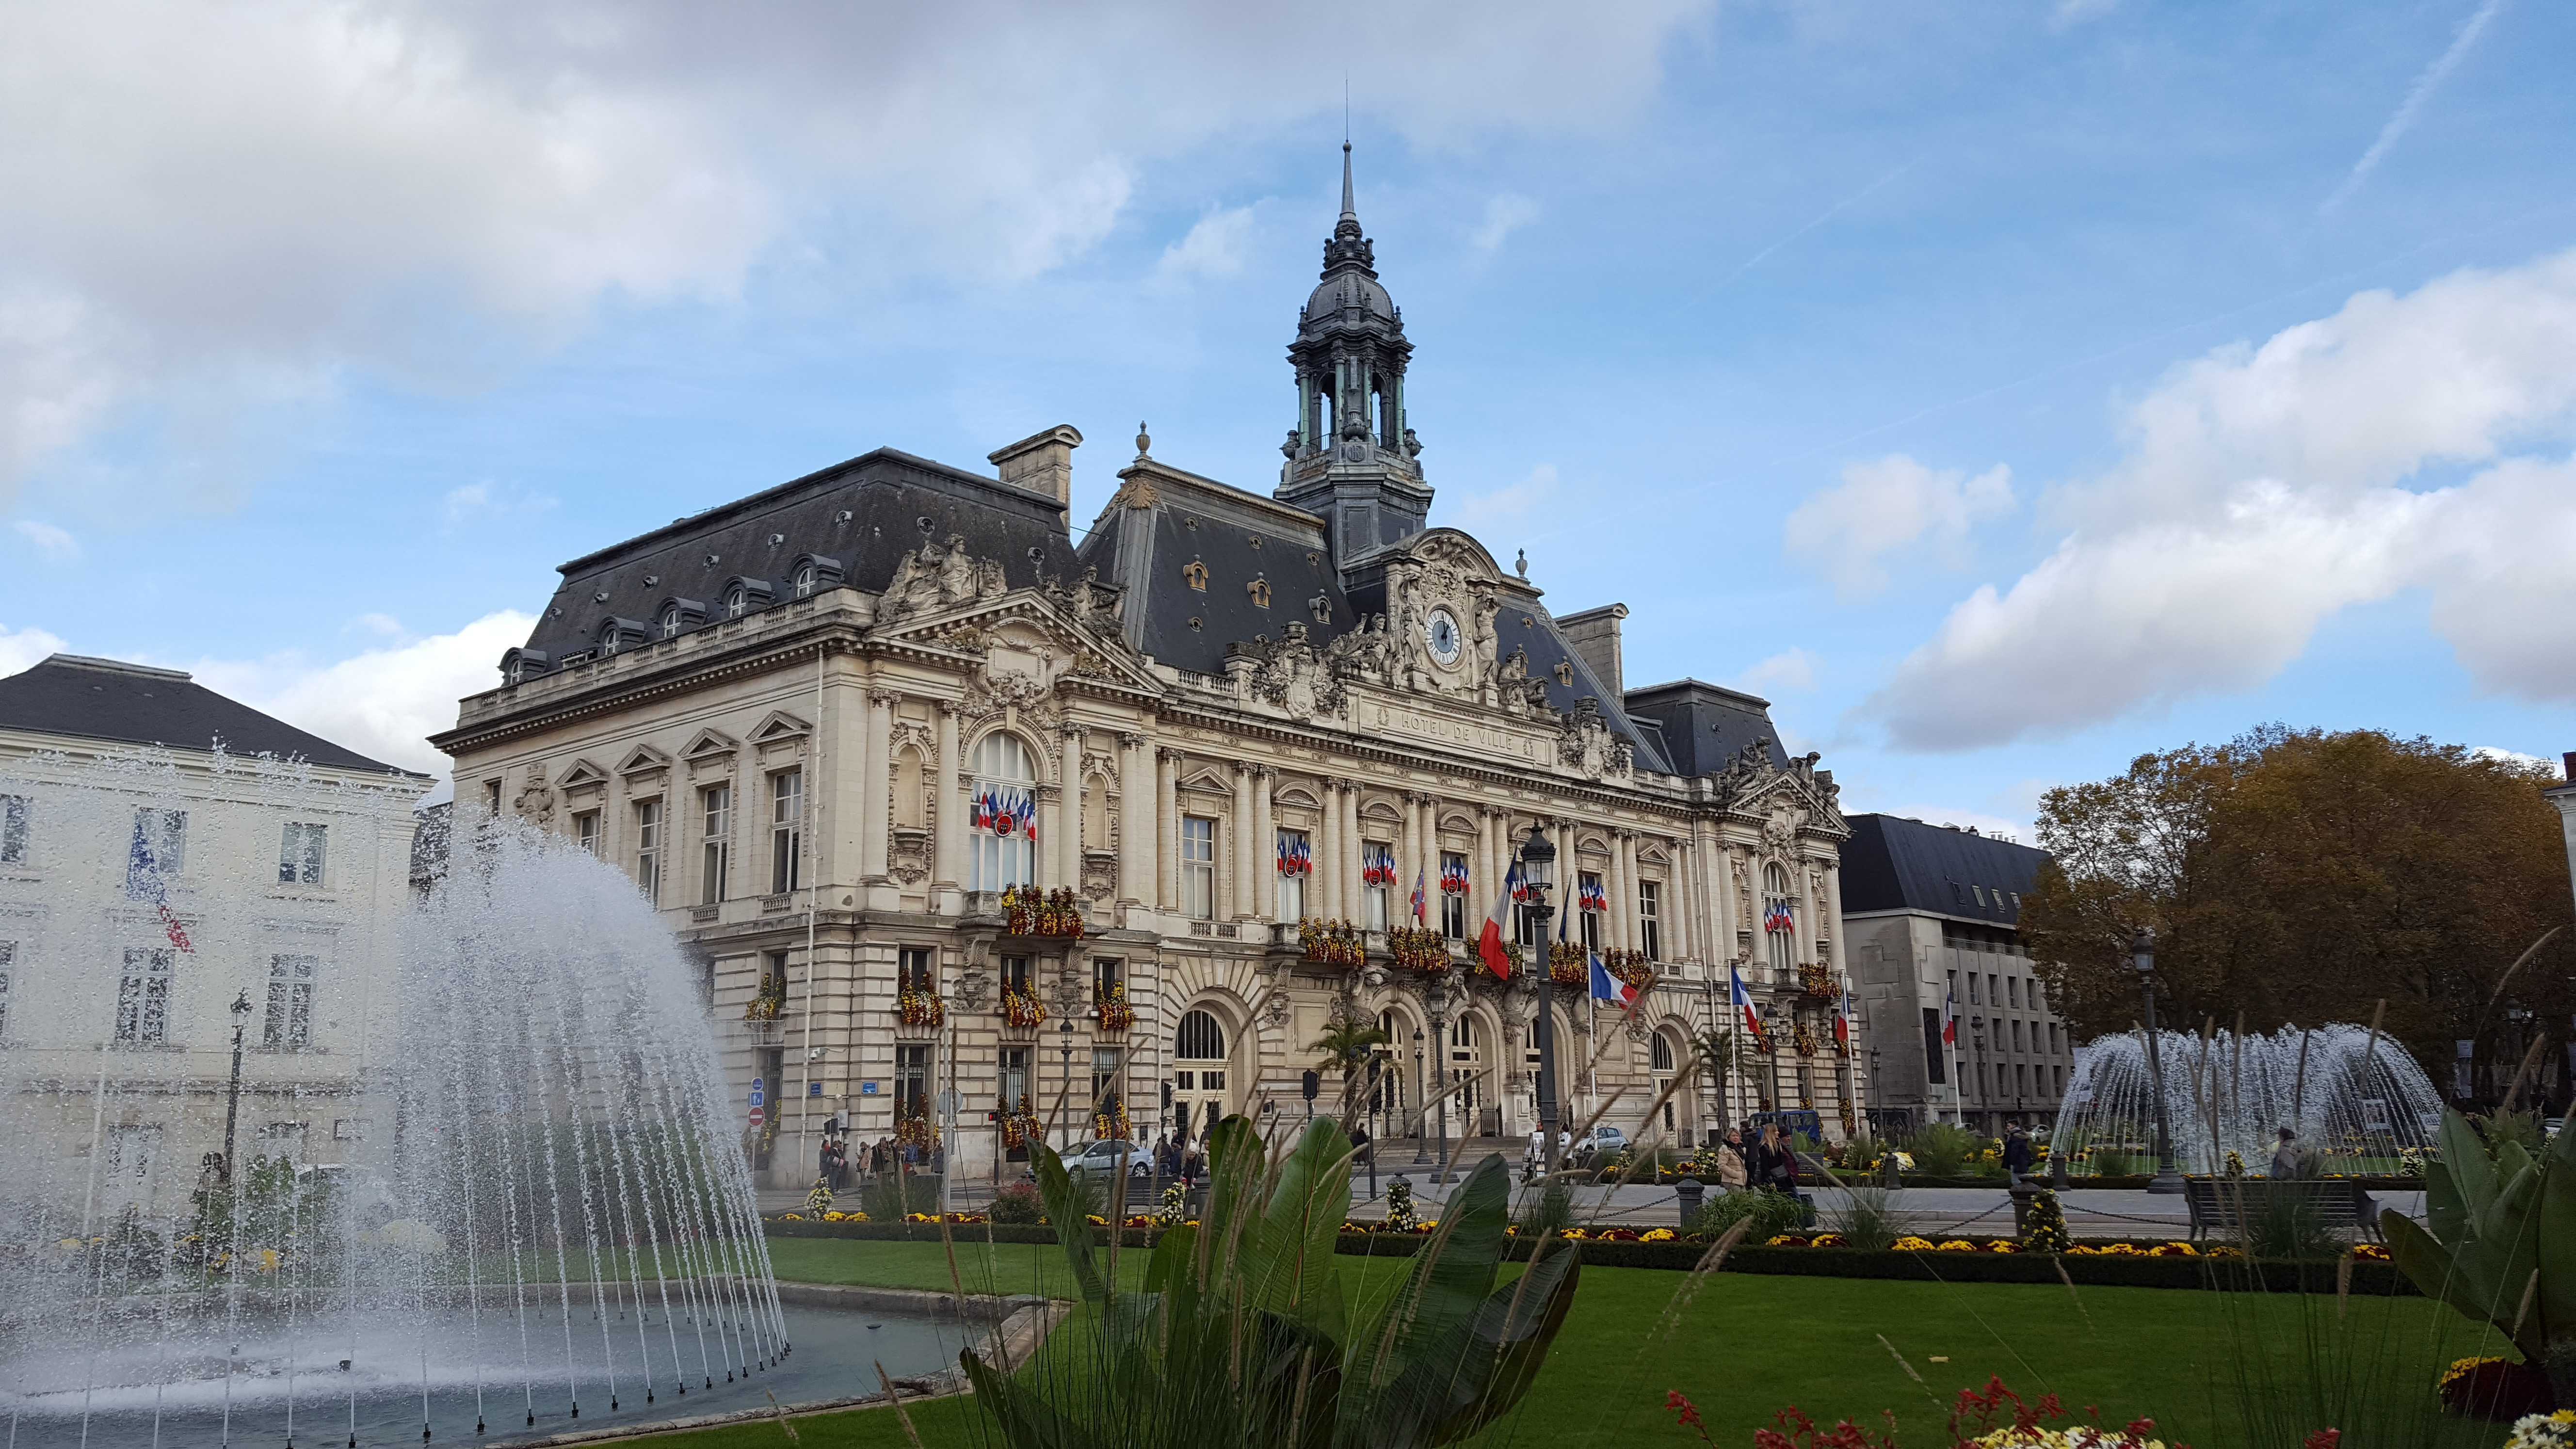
point(1351, 457)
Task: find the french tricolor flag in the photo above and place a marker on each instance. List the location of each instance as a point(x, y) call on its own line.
point(1743, 1000)
point(1489, 942)
point(1606, 987)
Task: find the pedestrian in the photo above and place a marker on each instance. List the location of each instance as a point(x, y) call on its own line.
point(1537, 1158)
point(2018, 1155)
point(1363, 1150)
point(2285, 1158)
point(1775, 1161)
point(1733, 1171)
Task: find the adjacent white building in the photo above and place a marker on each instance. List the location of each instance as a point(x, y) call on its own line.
point(175, 865)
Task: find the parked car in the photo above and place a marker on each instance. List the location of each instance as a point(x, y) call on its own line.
point(1608, 1141)
point(1100, 1159)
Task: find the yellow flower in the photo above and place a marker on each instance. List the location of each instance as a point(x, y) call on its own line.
point(1657, 1235)
point(1912, 1244)
point(1958, 1245)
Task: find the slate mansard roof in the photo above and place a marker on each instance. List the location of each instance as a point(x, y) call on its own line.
point(133, 704)
point(856, 519)
point(1892, 863)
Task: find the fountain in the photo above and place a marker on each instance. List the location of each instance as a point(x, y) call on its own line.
point(2357, 1101)
point(528, 1212)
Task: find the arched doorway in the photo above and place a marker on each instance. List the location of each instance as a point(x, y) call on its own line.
point(1202, 1074)
point(1472, 1098)
point(1666, 1053)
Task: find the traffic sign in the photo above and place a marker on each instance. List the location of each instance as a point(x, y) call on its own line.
point(758, 1116)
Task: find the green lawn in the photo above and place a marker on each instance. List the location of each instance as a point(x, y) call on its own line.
point(1745, 1345)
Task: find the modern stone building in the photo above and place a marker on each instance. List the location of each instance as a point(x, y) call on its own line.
point(827, 728)
point(1936, 949)
point(174, 866)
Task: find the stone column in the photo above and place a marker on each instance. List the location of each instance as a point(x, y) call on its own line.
point(1617, 886)
point(1346, 808)
point(948, 870)
point(1628, 869)
point(1234, 877)
point(1068, 846)
point(1265, 845)
point(1677, 894)
point(876, 771)
point(1135, 820)
point(1167, 829)
point(1488, 881)
point(1408, 859)
point(1324, 886)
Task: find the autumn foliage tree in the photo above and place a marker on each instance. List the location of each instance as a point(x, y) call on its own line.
point(2301, 876)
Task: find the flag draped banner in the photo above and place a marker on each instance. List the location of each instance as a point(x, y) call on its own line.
point(1489, 942)
point(144, 882)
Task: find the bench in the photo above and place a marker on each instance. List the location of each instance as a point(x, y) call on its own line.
point(2225, 1202)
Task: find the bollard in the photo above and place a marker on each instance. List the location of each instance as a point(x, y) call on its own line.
point(1687, 1193)
point(2057, 1175)
point(2022, 1192)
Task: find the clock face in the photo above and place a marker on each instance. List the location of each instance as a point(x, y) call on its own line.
point(1440, 631)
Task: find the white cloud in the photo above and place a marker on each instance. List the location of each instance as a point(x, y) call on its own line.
point(2263, 490)
point(1889, 504)
point(2076, 12)
point(1509, 504)
point(1794, 669)
point(2502, 755)
point(25, 648)
point(55, 543)
point(1504, 215)
point(1213, 248)
point(384, 625)
point(213, 202)
point(382, 703)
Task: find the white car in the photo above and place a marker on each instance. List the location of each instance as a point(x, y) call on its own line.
point(1100, 1159)
point(1608, 1141)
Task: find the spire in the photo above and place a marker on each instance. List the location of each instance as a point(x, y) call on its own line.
point(1349, 212)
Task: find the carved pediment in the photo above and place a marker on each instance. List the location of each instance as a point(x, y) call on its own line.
point(1029, 637)
point(1290, 674)
point(709, 744)
point(583, 773)
point(643, 759)
point(780, 726)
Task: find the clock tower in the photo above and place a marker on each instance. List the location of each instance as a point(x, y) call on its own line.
point(1351, 459)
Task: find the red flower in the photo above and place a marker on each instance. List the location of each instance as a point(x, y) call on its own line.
point(2322, 1439)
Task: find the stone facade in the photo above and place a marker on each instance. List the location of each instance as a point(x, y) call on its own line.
point(827, 726)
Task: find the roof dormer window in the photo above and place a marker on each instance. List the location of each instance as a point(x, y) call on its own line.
point(616, 634)
point(814, 571)
point(677, 617)
point(744, 595)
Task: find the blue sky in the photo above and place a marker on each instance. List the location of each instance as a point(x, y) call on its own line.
point(2001, 390)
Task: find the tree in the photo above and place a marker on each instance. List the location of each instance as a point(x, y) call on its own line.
point(1719, 1054)
point(2301, 876)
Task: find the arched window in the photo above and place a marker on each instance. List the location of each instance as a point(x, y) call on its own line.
point(1661, 1054)
point(1199, 1039)
point(736, 600)
point(1779, 922)
point(609, 635)
point(1003, 821)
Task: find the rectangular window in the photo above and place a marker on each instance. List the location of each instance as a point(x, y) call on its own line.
point(143, 996)
point(1373, 894)
point(165, 836)
point(2012, 989)
point(1650, 918)
point(1972, 990)
point(1994, 990)
point(1373, 903)
point(13, 829)
point(2016, 1034)
point(912, 1081)
point(299, 855)
point(786, 831)
point(1015, 1077)
point(1198, 867)
point(716, 809)
point(648, 850)
point(585, 830)
point(773, 974)
point(1453, 904)
point(8, 954)
point(1587, 896)
point(912, 970)
point(1936, 1056)
point(1104, 976)
point(290, 1002)
point(1104, 1078)
point(1292, 856)
point(1185, 1081)
point(1015, 973)
point(492, 798)
point(1211, 1081)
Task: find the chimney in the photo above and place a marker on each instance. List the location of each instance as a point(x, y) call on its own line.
point(1042, 464)
point(1594, 633)
point(2569, 760)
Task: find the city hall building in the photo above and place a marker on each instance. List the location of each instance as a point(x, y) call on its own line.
point(980, 831)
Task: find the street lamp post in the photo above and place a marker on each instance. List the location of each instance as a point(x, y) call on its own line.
point(1064, 1051)
point(1421, 1139)
point(232, 1094)
point(1377, 1070)
point(2142, 954)
point(1538, 873)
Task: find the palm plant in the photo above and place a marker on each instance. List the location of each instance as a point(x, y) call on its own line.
point(2502, 1245)
point(1347, 1042)
point(1243, 1332)
point(1717, 1054)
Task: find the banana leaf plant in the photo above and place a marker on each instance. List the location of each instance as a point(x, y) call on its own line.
point(2502, 1242)
point(1245, 1334)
